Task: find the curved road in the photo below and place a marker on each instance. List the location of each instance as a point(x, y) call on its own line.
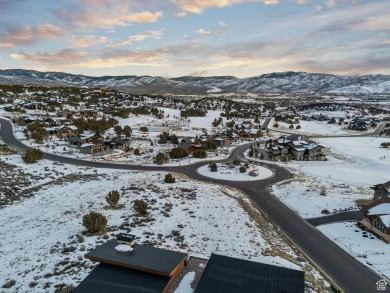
point(344, 270)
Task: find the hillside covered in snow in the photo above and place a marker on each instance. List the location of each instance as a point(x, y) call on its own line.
point(283, 82)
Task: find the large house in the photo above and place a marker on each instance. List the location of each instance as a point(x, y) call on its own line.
point(381, 190)
point(286, 148)
point(377, 218)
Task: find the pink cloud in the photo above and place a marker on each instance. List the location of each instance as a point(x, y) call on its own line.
point(197, 6)
point(61, 57)
point(30, 34)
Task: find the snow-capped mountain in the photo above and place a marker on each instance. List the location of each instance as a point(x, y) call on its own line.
point(285, 82)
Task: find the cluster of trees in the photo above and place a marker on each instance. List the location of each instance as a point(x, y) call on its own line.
point(156, 112)
point(193, 113)
point(165, 137)
point(32, 156)
point(126, 130)
point(143, 129)
point(385, 144)
point(209, 145)
point(98, 126)
point(38, 133)
point(200, 154)
point(230, 124)
point(216, 122)
point(177, 153)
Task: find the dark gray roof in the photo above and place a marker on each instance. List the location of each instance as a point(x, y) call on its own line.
point(231, 275)
point(109, 278)
point(151, 259)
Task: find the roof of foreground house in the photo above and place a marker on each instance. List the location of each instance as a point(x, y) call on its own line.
point(145, 258)
point(108, 278)
point(232, 275)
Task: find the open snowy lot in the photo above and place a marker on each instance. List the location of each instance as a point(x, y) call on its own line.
point(312, 127)
point(362, 245)
point(354, 164)
point(42, 239)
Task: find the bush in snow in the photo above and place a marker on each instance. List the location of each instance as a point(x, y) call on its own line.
point(242, 169)
point(169, 178)
point(141, 207)
point(200, 154)
point(213, 167)
point(252, 173)
point(112, 198)
point(177, 153)
point(32, 156)
point(94, 222)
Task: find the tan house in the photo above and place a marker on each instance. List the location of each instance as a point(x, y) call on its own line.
point(67, 131)
point(377, 218)
point(278, 153)
point(381, 190)
point(93, 148)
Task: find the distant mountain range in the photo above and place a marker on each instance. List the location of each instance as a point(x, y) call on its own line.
point(284, 82)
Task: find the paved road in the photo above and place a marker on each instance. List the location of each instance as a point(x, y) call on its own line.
point(339, 217)
point(349, 274)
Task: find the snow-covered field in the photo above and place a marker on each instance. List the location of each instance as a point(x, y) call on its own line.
point(42, 242)
point(367, 249)
point(313, 127)
point(354, 164)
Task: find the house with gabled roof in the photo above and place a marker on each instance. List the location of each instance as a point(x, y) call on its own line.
point(381, 190)
point(295, 148)
point(377, 218)
point(137, 269)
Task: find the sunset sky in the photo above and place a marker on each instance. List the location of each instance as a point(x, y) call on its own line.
point(196, 37)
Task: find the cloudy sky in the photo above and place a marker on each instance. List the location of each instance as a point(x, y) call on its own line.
point(196, 37)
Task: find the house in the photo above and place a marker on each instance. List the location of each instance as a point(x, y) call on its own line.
point(381, 190)
point(302, 150)
point(231, 275)
point(150, 269)
point(278, 153)
point(143, 269)
point(294, 148)
point(93, 148)
point(189, 147)
point(377, 218)
point(66, 131)
point(233, 136)
point(222, 141)
point(118, 143)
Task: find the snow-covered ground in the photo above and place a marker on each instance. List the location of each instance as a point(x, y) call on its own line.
point(354, 164)
point(232, 173)
point(367, 249)
point(313, 127)
point(362, 160)
point(185, 284)
point(42, 241)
